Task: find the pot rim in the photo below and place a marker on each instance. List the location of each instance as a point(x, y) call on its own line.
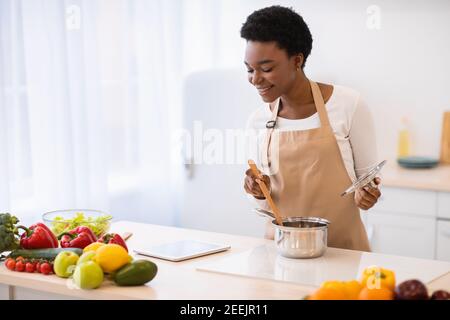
point(323, 221)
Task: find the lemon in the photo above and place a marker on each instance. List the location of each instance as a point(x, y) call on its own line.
point(93, 246)
point(111, 257)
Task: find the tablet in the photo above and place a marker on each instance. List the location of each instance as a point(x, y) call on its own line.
point(181, 250)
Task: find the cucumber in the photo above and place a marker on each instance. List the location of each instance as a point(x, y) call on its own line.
point(49, 253)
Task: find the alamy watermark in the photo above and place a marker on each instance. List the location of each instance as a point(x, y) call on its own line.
point(201, 145)
point(73, 17)
point(373, 21)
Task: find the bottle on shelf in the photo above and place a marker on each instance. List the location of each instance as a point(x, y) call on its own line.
point(404, 139)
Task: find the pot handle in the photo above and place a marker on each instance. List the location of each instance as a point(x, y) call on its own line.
point(281, 237)
point(263, 213)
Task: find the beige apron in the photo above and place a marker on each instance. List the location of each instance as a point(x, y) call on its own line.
point(308, 176)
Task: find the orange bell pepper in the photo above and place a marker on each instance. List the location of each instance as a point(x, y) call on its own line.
point(349, 289)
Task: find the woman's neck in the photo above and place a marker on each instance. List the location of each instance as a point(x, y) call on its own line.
point(299, 94)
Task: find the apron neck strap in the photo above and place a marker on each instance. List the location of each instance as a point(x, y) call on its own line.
point(320, 104)
point(270, 125)
point(318, 101)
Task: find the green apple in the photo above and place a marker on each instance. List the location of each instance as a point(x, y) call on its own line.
point(65, 263)
point(85, 257)
point(88, 275)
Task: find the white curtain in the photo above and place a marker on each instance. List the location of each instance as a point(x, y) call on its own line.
point(89, 95)
point(90, 99)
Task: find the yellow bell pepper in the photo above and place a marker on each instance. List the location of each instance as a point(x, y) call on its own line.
point(377, 277)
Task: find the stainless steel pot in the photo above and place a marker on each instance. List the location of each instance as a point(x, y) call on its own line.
point(300, 237)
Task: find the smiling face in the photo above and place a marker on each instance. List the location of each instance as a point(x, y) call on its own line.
point(270, 69)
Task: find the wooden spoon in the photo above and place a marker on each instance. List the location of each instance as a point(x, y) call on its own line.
point(266, 192)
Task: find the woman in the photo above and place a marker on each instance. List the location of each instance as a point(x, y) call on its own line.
point(318, 138)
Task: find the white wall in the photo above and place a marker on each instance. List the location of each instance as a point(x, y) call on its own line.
point(402, 69)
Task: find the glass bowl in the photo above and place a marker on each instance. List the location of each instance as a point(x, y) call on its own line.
point(64, 220)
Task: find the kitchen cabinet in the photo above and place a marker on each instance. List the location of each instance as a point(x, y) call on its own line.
point(402, 235)
point(410, 222)
point(4, 292)
point(402, 201)
point(443, 240)
point(444, 205)
point(21, 293)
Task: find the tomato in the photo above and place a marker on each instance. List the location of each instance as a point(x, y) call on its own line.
point(38, 266)
point(29, 267)
point(10, 264)
point(46, 268)
point(20, 266)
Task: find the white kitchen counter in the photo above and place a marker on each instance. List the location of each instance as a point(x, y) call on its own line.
point(434, 179)
point(182, 280)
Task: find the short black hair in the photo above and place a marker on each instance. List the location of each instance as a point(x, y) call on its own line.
point(282, 25)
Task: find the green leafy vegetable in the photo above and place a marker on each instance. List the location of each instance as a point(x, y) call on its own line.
point(9, 235)
point(98, 225)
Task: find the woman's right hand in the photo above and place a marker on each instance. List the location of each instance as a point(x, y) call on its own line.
point(252, 187)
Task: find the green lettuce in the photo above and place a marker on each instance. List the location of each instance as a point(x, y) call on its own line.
point(98, 225)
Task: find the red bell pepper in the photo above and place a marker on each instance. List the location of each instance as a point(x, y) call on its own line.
point(80, 237)
point(38, 236)
point(113, 238)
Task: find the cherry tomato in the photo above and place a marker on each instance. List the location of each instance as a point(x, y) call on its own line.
point(46, 268)
point(19, 258)
point(20, 266)
point(29, 267)
point(10, 264)
point(38, 266)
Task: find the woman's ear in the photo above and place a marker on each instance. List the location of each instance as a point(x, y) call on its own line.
point(298, 59)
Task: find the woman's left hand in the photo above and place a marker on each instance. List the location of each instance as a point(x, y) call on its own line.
point(365, 198)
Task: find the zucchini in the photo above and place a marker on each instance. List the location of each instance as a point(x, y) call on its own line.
point(49, 253)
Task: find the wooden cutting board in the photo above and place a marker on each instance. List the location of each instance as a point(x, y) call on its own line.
point(445, 139)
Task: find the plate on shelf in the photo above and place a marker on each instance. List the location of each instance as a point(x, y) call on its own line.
point(416, 162)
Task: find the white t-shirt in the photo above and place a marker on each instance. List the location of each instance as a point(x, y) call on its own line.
point(352, 125)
